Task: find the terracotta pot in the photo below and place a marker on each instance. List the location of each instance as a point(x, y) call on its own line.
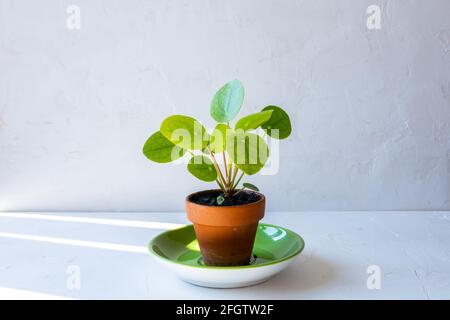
point(225, 233)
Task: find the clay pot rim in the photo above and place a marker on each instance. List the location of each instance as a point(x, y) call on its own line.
point(262, 199)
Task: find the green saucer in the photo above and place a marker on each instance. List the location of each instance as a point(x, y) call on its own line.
point(273, 244)
point(273, 250)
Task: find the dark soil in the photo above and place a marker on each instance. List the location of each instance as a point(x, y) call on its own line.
point(209, 198)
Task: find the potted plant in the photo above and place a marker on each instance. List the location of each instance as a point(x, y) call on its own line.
point(225, 219)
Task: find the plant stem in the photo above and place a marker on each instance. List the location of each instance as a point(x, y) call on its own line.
point(226, 169)
point(230, 168)
point(216, 165)
point(220, 185)
point(239, 180)
point(236, 169)
point(239, 191)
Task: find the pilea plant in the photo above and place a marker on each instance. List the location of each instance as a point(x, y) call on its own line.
point(240, 149)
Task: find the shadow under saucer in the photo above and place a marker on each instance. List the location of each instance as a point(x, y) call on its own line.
point(306, 273)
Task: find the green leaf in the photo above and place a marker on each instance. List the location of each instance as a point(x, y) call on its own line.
point(219, 137)
point(185, 132)
point(250, 186)
point(157, 148)
point(220, 200)
point(202, 168)
point(227, 101)
point(279, 124)
point(253, 121)
point(248, 151)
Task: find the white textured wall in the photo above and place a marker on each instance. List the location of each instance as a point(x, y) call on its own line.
point(370, 109)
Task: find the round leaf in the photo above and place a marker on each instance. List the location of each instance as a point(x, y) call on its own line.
point(220, 200)
point(202, 168)
point(219, 137)
point(185, 132)
point(279, 124)
point(157, 148)
point(250, 186)
point(227, 101)
point(253, 121)
point(248, 151)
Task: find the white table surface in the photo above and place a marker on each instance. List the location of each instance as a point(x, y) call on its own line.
point(38, 252)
